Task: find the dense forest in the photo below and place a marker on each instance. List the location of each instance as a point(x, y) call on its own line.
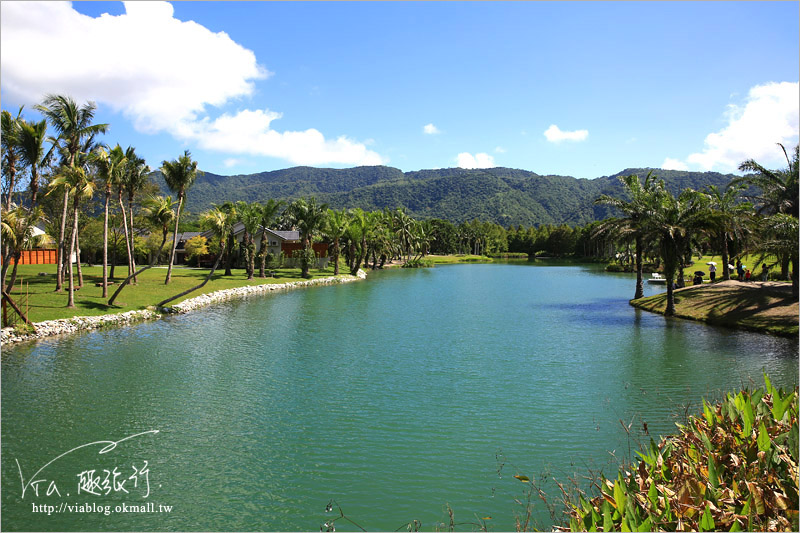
point(501, 195)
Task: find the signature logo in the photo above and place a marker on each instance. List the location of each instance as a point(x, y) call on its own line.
point(89, 481)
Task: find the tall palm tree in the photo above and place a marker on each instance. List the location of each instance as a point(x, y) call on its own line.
point(269, 212)
point(729, 218)
point(250, 216)
point(159, 212)
point(73, 124)
point(221, 222)
point(80, 185)
point(357, 233)
point(673, 224)
point(110, 166)
point(636, 212)
point(336, 224)
point(32, 154)
point(779, 190)
point(780, 232)
point(180, 175)
point(307, 216)
point(135, 178)
point(10, 150)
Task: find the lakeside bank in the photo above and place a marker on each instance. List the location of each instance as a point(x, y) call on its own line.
point(66, 326)
point(760, 306)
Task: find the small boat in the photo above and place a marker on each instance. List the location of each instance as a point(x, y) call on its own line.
point(655, 277)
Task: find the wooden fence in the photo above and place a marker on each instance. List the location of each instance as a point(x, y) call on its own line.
point(37, 257)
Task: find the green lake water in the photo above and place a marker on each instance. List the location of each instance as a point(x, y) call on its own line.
point(394, 397)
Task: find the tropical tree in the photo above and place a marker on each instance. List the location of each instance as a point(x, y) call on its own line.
point(729, 218)
point(336, 224)
point(636, 212)
point(73, 125)
point(159, 212)
point(221, 222)
point(80, 185)
point(269, 212)
point(17, 235)
point(135, 179)
point(30, 143)
point(780, 233)
point(110, 166)
point(673, 223)
point(9, 142)
point(779, 190)
point(250, 217)
point(308, 217)
point(180, 175)
point(357, 232)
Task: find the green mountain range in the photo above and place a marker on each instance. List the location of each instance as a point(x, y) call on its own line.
point(502, 195)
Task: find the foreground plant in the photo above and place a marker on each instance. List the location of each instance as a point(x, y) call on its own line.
point(732, 469)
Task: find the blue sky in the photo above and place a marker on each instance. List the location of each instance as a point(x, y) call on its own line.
point(574, 88)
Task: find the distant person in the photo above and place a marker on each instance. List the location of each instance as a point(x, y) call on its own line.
point(747, 275)
point(698, 279)
point(764, 272)
point(740, 269)
point(712, 272)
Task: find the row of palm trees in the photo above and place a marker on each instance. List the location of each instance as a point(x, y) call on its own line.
point(78, 166)
point(762, 222)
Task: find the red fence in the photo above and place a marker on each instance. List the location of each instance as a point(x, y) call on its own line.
point(37, 257)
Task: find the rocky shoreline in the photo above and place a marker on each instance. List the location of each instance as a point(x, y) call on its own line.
point(66, 326)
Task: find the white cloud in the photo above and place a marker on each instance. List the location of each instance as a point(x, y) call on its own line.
point(770, 114)
point(500, 150)
point(480, 160)
point(231, 162)
point(674, 164)
point(430, 129)
point(555, 135)
point(164, 74)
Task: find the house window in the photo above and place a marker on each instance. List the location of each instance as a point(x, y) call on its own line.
point(274, 243)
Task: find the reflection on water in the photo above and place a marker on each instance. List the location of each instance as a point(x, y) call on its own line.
point(394, 397)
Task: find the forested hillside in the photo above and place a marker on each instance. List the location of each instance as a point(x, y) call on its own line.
point(502, 195)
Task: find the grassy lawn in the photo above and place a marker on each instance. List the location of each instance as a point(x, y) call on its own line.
point(45, 304)
point(458, 258)
point(755, 306)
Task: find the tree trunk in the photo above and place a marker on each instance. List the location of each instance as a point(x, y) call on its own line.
point(184, 293)
point(174, 239)
point(125, 228)
point(133, 244)
point(262, 255)
point(670, 310)
point(726, 271)
point(17, 255)
point(336, 256)
point(153, 261)
point(105, 244)
point(61, 243)
point(78, 259)
point(639, 277)
point(229, 254)
point(71, 300)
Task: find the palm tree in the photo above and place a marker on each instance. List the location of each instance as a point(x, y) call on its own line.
point(636, 213)
point(32, 154)
point(9, 142)
point(729, 217)
point(80, 185)
point(357, 233)
point(250, 216)
point(109, 168)
point(336, 224)
point(307, 216)
point(672, 224)
point(269, 212)
point(159, 212)
point(779, 190)
point(179, 175)
point(780, 239)
point(17, 235)
point(135, 178)
point(73, 124)
point(221, 222)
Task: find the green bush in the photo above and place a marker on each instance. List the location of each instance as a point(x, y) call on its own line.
point(735, 468)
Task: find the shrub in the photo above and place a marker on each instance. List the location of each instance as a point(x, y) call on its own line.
point(735, 468)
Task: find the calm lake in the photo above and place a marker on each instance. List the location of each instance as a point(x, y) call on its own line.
point(394, 397)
